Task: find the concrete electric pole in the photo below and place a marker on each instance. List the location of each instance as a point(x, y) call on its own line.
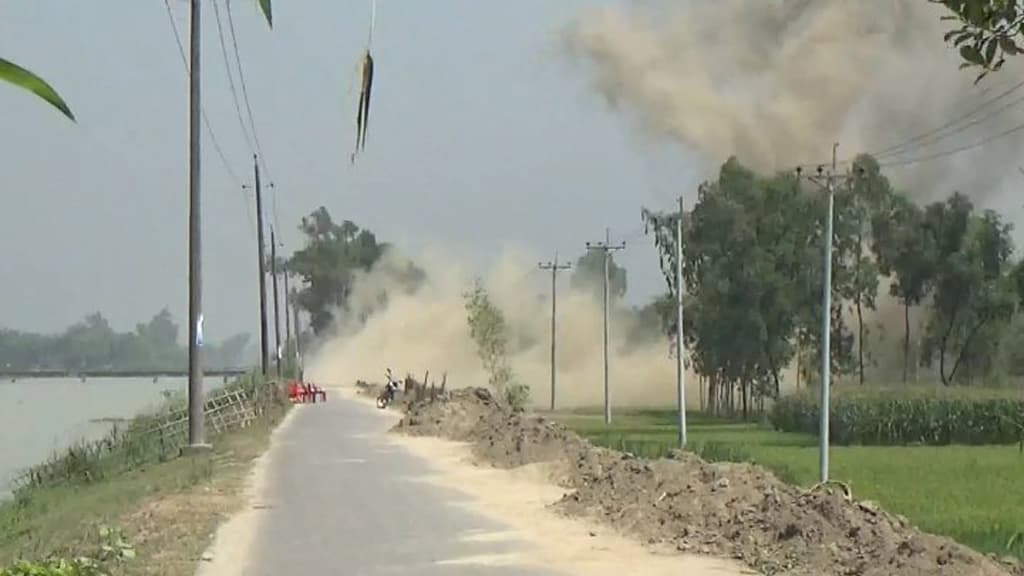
point(277, 317)
point(828, 181)
point(555, 268)
point(680, 372)
point(262, 267)
point(196, 415)
point(606, 247)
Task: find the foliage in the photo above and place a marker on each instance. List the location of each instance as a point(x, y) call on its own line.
point(93, 344)
point(55, 567)
point(265, 7)
point(329, 263)
point(488, 329)
point(753, 280)
point(22, 78)
point(747, 245)
point(931, 416)
point(904, 252)
point(987, 31)
point(588, 275)
point(974, 295)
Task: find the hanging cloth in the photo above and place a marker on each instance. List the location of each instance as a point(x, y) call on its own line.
point(366, 87)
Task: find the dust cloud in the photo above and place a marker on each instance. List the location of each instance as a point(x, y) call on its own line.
point(776, 82)
point(414, 332)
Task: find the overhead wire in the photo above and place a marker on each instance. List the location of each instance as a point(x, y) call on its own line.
point(245, 91)
point(957, 150)
point(238, 111)
point(896, 148)
point(202, 110)
point(231, 78)
point(954, 126)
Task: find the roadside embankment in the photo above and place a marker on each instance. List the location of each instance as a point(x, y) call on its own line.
point(727, 510)
point(130, 503)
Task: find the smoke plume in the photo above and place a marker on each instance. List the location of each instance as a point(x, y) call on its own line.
point(776, 82)
point(426, 330)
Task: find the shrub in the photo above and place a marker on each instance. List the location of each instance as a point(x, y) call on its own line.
point(933, 416)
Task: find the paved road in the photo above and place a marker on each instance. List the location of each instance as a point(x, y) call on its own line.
point(343, 500)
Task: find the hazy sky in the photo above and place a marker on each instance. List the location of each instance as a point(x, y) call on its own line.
point(483, 135)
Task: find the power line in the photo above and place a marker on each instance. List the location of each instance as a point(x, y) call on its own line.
point(245, 91)
point(926, 136)
point(206, 120)
point(957, 150)
point(930, 136)
point(231, 78)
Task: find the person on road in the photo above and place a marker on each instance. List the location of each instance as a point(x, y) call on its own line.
point(392, 384)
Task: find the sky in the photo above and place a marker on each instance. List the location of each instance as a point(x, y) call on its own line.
point(484, 135)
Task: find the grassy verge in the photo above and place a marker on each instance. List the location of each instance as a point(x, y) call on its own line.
point(153, 517)
point(970, 493)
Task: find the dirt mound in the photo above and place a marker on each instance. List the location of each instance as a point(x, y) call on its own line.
point(500, 435)
point(743, 511)
point(733, 510)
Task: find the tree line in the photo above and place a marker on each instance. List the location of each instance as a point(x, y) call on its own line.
point(753, 264)
point(92, 344)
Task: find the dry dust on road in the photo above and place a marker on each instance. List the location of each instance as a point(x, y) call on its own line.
point(337, 493)
point(520, 498)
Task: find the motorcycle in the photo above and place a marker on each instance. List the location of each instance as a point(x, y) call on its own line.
point(385, 397)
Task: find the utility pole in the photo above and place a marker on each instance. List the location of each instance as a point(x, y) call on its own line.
point(606, 247)
point(196, 415)
point(827, 181)
point(277, 318)
point(262, 265)
point(680, 372)
point(555, 268)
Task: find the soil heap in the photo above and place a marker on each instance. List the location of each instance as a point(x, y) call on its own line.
point(733, 510)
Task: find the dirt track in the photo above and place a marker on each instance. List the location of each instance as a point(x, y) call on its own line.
point(730, 510)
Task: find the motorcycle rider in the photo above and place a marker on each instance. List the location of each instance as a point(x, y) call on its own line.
point(392, 384)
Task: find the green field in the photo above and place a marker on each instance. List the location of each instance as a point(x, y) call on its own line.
point(974, 494)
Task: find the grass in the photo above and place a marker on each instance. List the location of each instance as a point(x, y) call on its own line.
point(165, 511)
point(971, 493)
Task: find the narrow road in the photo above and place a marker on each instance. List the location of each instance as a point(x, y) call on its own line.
point(343, 500)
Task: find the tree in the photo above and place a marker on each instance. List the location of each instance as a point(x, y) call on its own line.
point(588, 275)
point(974, 294)
point(745, 245)
point(867, 196)
point(489, 330)
point(987, 31)
point(905, 252)
point(327, 265)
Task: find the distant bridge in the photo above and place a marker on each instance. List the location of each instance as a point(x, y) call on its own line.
point(27, 374)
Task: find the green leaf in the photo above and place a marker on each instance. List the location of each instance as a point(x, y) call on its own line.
point(265, 7)
point(990, 51)
point(1008, 45)
point(11, 72)
point(971, 54)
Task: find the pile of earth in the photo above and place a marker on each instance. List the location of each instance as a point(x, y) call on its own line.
point(733, 510)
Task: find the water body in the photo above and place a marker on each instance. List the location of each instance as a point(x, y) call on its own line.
point(41, 416)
